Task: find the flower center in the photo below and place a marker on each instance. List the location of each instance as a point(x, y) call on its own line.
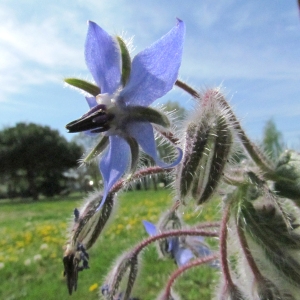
point(107, 100)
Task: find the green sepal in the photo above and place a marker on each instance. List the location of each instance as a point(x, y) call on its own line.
point(126, 61)
point(202, 178)
point(142, 114)
point(265, 233)
point(195, 143)
point(134, 148)
point(97, 150)
point(84, 85)
point(223, 142)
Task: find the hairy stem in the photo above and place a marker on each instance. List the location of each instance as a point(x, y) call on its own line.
point(138, 175)
point(182, 269)
point(223, 247)
point(247, 252)
point(208, 225)
point(171, 233)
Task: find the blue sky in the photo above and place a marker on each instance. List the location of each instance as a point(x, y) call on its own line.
point(251, 48)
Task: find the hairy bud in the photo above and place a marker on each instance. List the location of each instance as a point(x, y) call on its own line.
point(207, 145)
point(87, 226)
point(288, 168)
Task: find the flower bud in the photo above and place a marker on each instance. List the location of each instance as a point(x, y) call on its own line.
point(169, 221)
point(213, 161)
point(288, 168)
point(207, 147)
point(87, 226)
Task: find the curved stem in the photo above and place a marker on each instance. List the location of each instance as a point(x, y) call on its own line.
point(247, 252)
point(259, 158)
point(208, 224)
point(223, 247)
point(171, 233)
point(182, 269)
point(142, 173)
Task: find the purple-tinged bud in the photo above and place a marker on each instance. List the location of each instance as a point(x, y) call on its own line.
point(168, 221)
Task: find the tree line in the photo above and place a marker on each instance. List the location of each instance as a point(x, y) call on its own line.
point(37, 160)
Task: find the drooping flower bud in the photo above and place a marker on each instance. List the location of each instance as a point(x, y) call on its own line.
point(207, 146)
point(168, 221)
point(87, 226)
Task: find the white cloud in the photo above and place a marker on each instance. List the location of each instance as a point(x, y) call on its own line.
point(34, 52)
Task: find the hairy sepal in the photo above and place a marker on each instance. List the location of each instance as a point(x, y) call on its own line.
point(126, 61)
point(84, 85)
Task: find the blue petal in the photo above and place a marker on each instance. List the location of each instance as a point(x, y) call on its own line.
point(150, 228)
point(103, 59)
point(183, 255)
point(142, 132)
point(114, 163)
point(173, 245)
point(155, 70)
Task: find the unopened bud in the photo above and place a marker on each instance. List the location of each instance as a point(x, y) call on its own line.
point(87, 226)
point(207, 148)
point(207, 145)
point(168, 221)
point(288, 168)
point(213, 161)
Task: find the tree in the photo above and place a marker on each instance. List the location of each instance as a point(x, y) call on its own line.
point(272, 140)
point(38, 155)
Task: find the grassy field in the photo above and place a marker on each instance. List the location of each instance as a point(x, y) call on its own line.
point(32, 236)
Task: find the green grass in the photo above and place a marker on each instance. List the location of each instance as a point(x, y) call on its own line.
point(32, 236)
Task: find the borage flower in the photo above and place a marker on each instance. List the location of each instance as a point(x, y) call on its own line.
point(119, 108)
point(182, 251)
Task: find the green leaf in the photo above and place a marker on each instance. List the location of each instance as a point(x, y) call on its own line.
point(84, 85)
point(134, 148)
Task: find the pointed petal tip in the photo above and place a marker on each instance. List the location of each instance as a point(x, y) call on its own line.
point(176, 162)
point(89, 22)
point(150, 228)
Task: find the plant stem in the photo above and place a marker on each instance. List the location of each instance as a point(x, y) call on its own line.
point(179, 271)
point(142, 173)
point(171, 233)
point(247, 252)
point(223, 247)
